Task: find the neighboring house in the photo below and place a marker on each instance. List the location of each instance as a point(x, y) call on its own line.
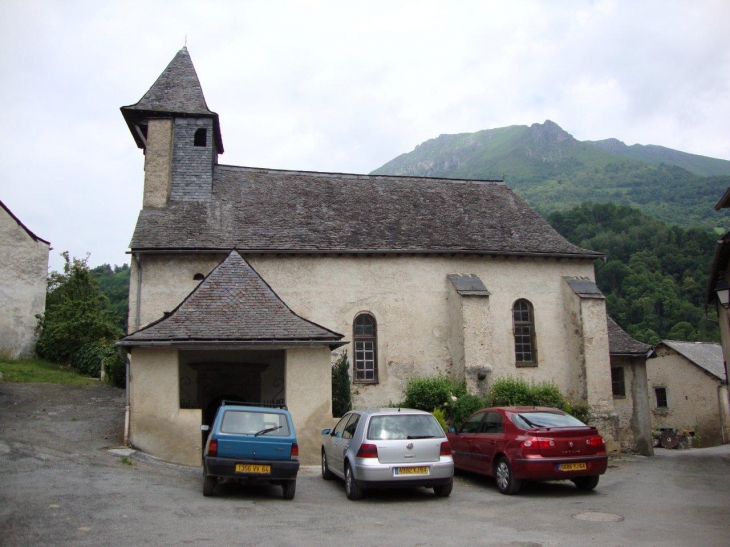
point(685, 388)
point(629, 387)
point(718, 295)
point(248, 283)
point(23, 275)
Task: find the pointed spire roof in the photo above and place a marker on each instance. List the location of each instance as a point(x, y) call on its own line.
point(233, 306)
point(177, 91)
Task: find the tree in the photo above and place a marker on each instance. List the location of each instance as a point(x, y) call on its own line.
point(77, 314)
point(341, 395)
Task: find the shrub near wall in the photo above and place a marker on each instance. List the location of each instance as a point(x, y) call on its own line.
point(452, 402)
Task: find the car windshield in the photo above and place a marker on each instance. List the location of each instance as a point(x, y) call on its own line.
point(529, 420)
point(404, 426)
point(252, 422)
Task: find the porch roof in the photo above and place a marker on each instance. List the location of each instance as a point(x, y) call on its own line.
point(233, 307)
point(620, 343)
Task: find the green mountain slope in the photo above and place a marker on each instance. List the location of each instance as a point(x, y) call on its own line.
point(554, 171)
point(657, 155)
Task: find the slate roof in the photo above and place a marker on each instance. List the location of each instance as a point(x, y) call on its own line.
point(20, 223)
point(176, 91)
point(621, 343)
point(705, 355)
point(233, 305)
point(584, 287)
point(468, 285)
point(268, 210)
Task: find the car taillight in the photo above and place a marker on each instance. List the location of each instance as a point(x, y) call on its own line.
point(445, 449)
point(295, 451)
point(538, 443)
point(213, 448)
point(367, 451)
point(596, 441)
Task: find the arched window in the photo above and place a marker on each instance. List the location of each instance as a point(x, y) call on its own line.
point(366, 345)
point(523, 322)
point(201, 137)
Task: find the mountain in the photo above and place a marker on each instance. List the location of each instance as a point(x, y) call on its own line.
point(554, 171)
point(657, 155)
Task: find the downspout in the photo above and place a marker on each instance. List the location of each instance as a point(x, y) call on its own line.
point(137, 308)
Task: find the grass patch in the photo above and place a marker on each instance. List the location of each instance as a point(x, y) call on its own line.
point(38, 370)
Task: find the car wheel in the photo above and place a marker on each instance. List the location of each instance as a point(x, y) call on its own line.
point(353, 491)
point(209, 485)
point(506, 482)
point(444, 490)
point(326, 473)
point(586, 483)
point(290, 488)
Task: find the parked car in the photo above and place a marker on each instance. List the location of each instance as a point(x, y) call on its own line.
point(388, 448)
point(251, 444)
point(514, 444)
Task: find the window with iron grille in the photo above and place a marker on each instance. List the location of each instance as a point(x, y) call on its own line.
point(618, 384)
point(366, 345)
point(523, 322)
point(660, 394)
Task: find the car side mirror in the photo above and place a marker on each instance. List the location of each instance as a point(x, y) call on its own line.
point(326, 431)
point(204, 427)
point(452, 429)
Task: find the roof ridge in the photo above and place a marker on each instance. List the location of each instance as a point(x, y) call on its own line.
point(496, 182)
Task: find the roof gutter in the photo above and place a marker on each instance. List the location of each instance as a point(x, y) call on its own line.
point(177, 250)
point(229, 344)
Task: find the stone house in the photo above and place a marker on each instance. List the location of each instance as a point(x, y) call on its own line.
point(718, 295)
point(23, 276)
point(248, 283)
point(686, 383)
point(629, 388)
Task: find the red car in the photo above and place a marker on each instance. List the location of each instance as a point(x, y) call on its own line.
point(514, 444)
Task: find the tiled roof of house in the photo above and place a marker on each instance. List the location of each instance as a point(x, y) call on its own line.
point(176, 91)
point(621, 343)
point(233, 305)
point(266, 210)
point(705, 355)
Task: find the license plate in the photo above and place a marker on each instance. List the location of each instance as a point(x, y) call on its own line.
point(247, 468)
point(410, 471)
point(572, 466)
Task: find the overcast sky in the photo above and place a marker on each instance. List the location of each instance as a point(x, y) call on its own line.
point(335, 86)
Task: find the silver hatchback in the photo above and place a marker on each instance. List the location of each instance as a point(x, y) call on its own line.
point(388, 448)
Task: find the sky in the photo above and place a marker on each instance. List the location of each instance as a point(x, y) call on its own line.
point(338, 86)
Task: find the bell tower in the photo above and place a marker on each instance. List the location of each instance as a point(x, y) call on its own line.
point(180, 136)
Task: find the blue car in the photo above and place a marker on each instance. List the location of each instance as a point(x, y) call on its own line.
point(251, 444)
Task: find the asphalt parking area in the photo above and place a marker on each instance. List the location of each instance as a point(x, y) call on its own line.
point(62, 483)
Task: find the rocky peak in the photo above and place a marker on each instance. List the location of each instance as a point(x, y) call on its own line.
point(548, 132)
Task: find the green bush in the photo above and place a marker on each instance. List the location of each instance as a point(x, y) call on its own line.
point(115, 366)
point(511, 391)
point(439, 415)
point(580, 410)
point(87, 359)
point(431, 392)
point(458, 411)
point(341, 394)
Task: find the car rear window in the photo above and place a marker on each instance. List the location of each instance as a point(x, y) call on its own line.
point(404, 426)
point(529, 420)
point(251, 422)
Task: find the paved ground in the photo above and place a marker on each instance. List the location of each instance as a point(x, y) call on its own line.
point(61, 485)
